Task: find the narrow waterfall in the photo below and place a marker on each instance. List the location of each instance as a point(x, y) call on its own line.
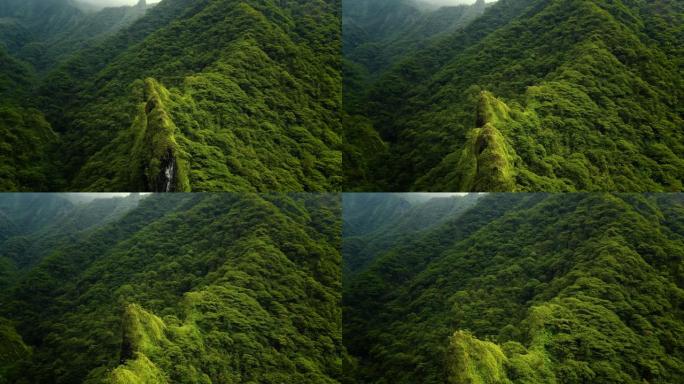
point(168, 175)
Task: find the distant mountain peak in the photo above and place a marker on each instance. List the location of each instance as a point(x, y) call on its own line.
point(143, 4)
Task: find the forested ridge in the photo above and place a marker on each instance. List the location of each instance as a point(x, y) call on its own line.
point(174, 288)
point(524, 288)
point(374, 222)
point(533, 95)
point(193, 95)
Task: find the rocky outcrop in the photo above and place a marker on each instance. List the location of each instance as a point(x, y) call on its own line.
point(162, 167)
point(487, 158)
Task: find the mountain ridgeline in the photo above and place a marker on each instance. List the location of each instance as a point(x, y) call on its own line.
point(170, 288)
point(532, 95)
point(375, 222)
point(519, 288)
point(42, 32)
point(201, 95)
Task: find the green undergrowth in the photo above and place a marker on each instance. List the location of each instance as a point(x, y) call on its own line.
point(12, 350)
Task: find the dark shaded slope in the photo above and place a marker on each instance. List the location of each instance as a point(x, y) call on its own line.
point(377, 34)
point(31, 225)
point(43, 32)
point(373, 223)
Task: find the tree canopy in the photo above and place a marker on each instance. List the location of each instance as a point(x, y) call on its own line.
point(523, 288)
point(172, 288)
point(533, 95)
point(187, 95)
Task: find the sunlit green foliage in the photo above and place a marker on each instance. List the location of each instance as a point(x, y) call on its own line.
point(525, 288)
point(187, 288)
point(474, 361)
point(593, 88)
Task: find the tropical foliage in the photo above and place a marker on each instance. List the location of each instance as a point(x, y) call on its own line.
point(534, 95)
point(524, 288)
point(173, 288)
point(192, 95)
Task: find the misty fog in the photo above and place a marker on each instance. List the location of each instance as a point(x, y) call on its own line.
point(451, 2)
point(115, 3)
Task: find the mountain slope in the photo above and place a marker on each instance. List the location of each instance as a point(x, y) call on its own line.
point(31, 225)
point(34, 36)
point(522, 288)
point(591, 89)
point(249, 89)
point(376, 34)
point(191, 288)
point(187, 95)
point(372, 223)
point(43, 32)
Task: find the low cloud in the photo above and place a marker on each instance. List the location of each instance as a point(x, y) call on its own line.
point(114, 3)
point(449, 2)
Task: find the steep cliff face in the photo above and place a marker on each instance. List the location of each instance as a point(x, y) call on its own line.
point(143, 334)
point(161, 159)
point(485, 163)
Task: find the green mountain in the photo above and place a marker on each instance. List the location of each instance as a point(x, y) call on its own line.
point(377, 33)
point(525, 288)
point(538, 95)
point(177, 288)
point(34, 36)
point(374, 222)
point(42, 32)
point(196, 95)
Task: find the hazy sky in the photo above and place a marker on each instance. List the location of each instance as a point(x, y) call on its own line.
point(451, 2)
point(90, 196)
point(115, 2)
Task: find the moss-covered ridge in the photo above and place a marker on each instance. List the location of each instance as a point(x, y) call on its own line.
point(474, 361)
point(485, 163)
point(143, 335)
point(160, 159)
